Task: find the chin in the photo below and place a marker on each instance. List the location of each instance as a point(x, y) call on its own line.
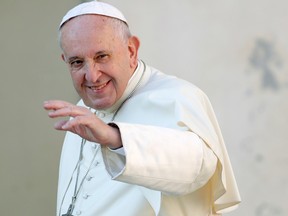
point(98, 105)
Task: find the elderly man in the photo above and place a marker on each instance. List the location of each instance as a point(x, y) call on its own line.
point(139, 142)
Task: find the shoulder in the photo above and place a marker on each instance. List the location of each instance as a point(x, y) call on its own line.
point(169, 86)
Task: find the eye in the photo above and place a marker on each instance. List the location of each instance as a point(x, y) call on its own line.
point(77, 63)
point(102, 57)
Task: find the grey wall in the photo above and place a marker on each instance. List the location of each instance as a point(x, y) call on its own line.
point(236, 51)
point(31, 72)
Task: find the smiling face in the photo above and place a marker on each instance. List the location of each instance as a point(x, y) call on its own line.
point(100, 59)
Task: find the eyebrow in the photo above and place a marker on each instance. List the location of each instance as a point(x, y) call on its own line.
point(72, 58)
point(102, 52)
point(96, 54)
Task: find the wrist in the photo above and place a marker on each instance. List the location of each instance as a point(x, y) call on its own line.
point(115, 138)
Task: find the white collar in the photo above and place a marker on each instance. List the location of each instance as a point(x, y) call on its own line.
point(133, 83)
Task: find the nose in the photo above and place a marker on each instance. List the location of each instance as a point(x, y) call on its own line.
point(92, 72)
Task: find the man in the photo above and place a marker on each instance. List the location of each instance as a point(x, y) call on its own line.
point(138, 142)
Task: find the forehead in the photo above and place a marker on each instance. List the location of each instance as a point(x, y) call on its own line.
point(85, 29)
point(86, 23)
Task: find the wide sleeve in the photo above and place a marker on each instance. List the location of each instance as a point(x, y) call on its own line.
point(163, 159)
point(205, 124)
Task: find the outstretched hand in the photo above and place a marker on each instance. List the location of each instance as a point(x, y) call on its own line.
point(83, 122)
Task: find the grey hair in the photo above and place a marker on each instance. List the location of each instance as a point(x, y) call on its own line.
point(120, 28)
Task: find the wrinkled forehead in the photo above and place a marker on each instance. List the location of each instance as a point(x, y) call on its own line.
point(87, 30)
point(87, 26)
point(87, 21)
point(93, 7)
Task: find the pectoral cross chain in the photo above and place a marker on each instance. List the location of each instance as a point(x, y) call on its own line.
point(70, 210)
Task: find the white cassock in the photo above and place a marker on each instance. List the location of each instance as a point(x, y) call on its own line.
point(173, 161)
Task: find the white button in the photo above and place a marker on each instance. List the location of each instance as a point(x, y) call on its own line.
point(101, 115)
point(96, 163)
point(88, 178)
point(94, 145)
point(78, 212)
point(85, 196)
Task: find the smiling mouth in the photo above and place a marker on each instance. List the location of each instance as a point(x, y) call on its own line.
point(99, 87)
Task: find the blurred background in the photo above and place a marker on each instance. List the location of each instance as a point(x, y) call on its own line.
point(236, 51)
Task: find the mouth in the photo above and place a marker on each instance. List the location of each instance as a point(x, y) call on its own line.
point(98, 87)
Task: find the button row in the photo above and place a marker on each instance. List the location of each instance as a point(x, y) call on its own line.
point(100, 114)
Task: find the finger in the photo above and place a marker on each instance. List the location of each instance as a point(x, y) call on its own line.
point(69, 111)
point(59, 125)
point(84, 121)
point(55, 104)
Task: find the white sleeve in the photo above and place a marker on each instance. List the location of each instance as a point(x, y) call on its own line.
point(119, 151)
point(163, 159)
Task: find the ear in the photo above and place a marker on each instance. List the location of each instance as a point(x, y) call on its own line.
point(63, 57)
point(133, 46)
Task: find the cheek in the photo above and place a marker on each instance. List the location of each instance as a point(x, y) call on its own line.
point(76, 78)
